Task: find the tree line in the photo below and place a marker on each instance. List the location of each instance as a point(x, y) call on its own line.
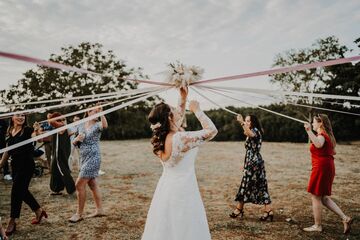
point(131, 122)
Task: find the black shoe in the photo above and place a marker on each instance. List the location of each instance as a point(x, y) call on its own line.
point(235, 215)
point(269, 214)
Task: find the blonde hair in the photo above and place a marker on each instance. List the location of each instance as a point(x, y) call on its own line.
point(326, 126)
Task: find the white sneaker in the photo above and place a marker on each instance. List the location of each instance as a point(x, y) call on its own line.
point(313, 228)
point(101, 172)
point(8, 177)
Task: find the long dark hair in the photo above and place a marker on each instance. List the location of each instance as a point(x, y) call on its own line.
point(326, 126)
point(160, 115)
point(11, 125)
point(255, 123)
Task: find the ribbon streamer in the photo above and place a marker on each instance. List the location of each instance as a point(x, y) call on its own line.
point(64, 67)
point(285, 93)
point(75, 98)
point(60, 105)
point(264, 109)
point(297, 104)
point(91, 108)
point(74, 124)
point(282, 70)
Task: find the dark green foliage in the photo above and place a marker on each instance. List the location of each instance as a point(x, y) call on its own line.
point(131, 123)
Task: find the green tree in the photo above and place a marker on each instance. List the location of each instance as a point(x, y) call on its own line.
point(44, 83)
point(311, 80)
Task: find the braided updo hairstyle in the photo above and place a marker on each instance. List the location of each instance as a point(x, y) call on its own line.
point(160, 115)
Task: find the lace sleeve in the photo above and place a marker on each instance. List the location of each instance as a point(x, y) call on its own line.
point(184, 141)
point(179, 113)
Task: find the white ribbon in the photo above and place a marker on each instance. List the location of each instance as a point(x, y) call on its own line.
point(75, 98)
point(285, 93)
point(95, 107)
point(65, 105)
point(49, 133)
point(297, 104)
point(264, 109)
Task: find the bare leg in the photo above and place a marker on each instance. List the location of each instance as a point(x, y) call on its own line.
point(239, 208)
point(81, 194)
point(330, 204)
point(317, 208)
point(94, 186)
point(268, 207)
point(240, 205)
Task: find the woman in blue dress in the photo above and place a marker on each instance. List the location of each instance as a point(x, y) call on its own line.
point(89, 139)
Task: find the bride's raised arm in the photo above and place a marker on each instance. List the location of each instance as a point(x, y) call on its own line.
point(184, 141)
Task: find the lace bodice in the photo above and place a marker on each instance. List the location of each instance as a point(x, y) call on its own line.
point(185, 141)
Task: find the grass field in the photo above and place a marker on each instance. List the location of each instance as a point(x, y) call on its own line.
point(132, 173)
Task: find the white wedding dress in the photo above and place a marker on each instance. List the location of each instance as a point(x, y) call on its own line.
point(177, 211)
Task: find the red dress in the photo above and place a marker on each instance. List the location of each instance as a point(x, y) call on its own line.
point(323, 168)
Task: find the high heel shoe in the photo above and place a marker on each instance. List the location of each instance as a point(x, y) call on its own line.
point(38, 220)
point(267, 214)
point(347, 224)
point(235, 215)
point(9, 232)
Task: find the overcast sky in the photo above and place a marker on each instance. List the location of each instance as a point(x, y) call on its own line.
point(224, 37)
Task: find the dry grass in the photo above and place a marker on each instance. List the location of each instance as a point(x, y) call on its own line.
point(132, 173)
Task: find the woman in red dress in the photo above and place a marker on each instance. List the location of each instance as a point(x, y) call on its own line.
point(322, 150)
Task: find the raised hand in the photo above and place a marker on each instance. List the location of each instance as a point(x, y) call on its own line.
point(307, 126)
point(184, 92)
point(194, 106)
point(36, 126)
point(240, 118)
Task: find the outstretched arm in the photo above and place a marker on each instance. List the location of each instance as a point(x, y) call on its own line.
point(189, 140)
point(179, 112)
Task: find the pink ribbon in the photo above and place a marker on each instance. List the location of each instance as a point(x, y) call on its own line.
point(282, 70)
point(234, 77)
point(60, 66)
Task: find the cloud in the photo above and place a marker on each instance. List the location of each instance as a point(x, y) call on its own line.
point(224, 37)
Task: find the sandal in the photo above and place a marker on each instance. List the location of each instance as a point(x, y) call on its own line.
point(38, 220)
point(240, 213)
point(55, 193)
point(313, 228)
point(76, 218)
point(347, 221)
point(267, 214)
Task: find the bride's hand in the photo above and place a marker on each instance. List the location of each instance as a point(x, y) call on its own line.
point(194, 106)
point(184, 92)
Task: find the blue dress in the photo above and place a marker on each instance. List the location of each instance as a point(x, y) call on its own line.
point(90, 151)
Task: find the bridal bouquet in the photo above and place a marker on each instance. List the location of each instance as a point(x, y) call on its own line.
point(181, 75)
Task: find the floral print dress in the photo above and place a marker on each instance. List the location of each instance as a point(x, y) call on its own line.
point(90, 151)
point(253, 187)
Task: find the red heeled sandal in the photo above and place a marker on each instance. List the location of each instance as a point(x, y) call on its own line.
point(37, 221)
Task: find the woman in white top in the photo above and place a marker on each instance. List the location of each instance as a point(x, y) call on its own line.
point(177, 211)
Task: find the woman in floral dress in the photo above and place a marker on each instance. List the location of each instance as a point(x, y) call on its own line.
point(89, 139)
point(253, 187)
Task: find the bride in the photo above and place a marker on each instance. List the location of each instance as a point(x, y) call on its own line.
point(177, 211)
